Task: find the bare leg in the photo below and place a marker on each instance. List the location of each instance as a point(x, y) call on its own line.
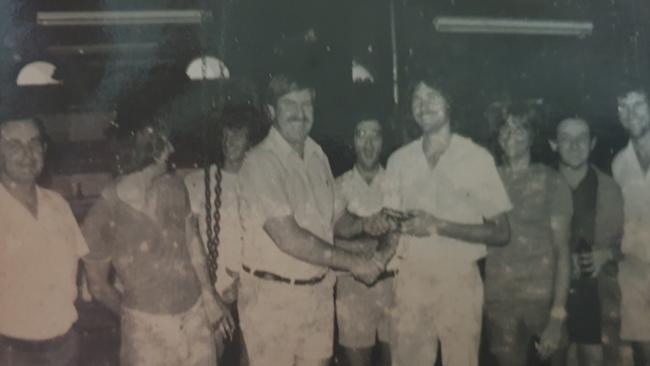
point(299, 361)
point(644, 348)
point(590, 354)
point(357, 356)
point(384, 354)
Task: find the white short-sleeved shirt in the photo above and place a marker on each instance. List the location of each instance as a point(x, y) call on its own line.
point(464, 187)
point(358, 197)
point(276, 182)
point(635, 185)
point(230, 231)
point(38, 266)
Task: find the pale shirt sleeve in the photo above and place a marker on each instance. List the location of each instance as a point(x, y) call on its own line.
point(390, 187)
point(77, 239)
point(194, 184)
point(263, 190)
point(494, 199)
point(340, 199)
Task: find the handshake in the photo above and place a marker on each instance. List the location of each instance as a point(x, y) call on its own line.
point(384, 226)
point(384, 221)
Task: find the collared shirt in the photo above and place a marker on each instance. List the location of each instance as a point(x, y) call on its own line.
point(230, 232)
point(357, 196)
point(147, 248)
point(38, 266)
point(635, 185)
point(276, 182)
point(463, 187)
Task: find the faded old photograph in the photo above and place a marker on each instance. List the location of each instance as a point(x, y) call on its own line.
point(325, 183)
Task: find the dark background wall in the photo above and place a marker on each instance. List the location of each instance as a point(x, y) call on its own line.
point(253, 37)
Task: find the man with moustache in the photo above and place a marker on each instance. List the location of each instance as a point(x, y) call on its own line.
point(285, 300)
point(451, 189)
point(40, 247)
point(594, 297)
point(631, 171)
point(362, 311)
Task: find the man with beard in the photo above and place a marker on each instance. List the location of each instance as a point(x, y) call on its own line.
point(40, 247)
point(286, 303)
point(362, 311)
point(631, 171)
point(450, 188)
point(596, 231)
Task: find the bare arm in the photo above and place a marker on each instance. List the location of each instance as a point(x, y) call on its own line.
point(561, 231)
point(198, 257)
point(301, 244)
point(100, 286)
point(348, 226)
point(494, 231)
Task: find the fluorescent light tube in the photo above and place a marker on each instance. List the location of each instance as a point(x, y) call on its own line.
point(95, 18)
point(513, 26)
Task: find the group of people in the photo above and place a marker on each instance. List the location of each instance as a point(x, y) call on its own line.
point(386, 257)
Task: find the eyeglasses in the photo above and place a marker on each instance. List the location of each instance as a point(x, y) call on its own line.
point(362, 134)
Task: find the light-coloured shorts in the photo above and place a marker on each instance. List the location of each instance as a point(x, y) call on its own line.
point(443, 306)
point(362, 312)
point(635, 302)
point(167, 340)
point(280, 321)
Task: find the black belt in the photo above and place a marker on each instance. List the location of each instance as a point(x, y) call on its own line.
point(273, 277)
point(387, 274)
point(36, 345)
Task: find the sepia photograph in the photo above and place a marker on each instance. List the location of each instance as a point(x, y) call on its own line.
point(325, 183)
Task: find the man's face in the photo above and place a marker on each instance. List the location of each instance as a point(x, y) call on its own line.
point(574, 143)
point(514, 138)
point(368, 142)
point(21, 151)
point(294, 115)
point(429, 108)
point(634, 114)
point(235, 144)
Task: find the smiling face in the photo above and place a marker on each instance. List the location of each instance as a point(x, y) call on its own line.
point(574, 142)
point(515, 138)
point(368, 142)
point(634, 114)
point(293, 115)
point(22, 151)
point(429, 108)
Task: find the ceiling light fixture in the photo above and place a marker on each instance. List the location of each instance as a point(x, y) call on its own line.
point(549, 27)
point(207, 68)
point(37, 73)
point(131, 17)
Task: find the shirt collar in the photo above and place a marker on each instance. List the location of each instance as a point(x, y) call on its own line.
point(357, 176)
point(282, 147)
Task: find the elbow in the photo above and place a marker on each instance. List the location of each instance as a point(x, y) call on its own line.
point(502, 235)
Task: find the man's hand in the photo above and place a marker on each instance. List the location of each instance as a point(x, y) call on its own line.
point(219, 315)
point(377, 224)
point(366, 270)
point(420, 224)
point(226, 326)
point(549, 340)
point(229, 295)
point(592, 263)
